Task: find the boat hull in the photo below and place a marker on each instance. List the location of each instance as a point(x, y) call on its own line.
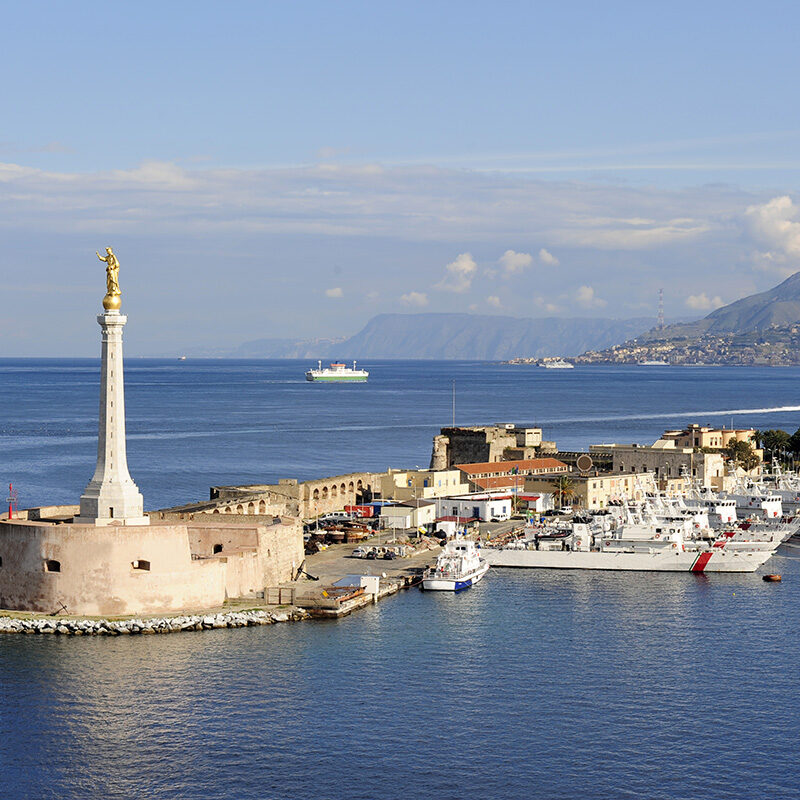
point(336, 378)
point(714, 560)
point(432, 584)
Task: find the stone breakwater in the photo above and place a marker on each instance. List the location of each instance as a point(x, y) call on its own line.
point(105, 627)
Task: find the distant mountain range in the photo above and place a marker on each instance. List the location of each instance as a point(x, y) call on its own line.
point(454, 336)
point(494, 338)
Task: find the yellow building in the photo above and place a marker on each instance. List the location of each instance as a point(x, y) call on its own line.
point(714, 438)
point(422, 484)
point(595, 491)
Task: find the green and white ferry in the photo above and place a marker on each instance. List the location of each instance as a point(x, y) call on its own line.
point(337, 373)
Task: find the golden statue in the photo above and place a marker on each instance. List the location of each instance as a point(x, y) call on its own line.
point(112, 300)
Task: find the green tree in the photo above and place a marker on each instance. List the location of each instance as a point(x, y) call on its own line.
point(742, 455)
point(774, 442)
point(794, 441)
point(565, 489)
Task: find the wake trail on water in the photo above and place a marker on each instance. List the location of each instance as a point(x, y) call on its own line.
point(673, 414)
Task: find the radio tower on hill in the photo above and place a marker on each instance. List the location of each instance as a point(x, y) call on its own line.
point(661, 309)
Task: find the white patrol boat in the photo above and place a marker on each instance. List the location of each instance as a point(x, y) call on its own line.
point(458, 567)
point(337, 373)
point(753, 503)
point(664, 546)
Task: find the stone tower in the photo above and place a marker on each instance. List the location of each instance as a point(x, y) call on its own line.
point(112, 498)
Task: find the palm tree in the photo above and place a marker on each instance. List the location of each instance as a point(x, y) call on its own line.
point(565, 489)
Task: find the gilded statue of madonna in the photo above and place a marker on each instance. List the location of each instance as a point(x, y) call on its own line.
point(112, 300)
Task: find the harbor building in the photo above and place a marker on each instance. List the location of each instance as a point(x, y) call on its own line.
point(492, 443)
point(701, 436)
point(666, 461)
point(482, 506)
point(508, 476)
point(594, 491)
point(403, 485)
point(408, 515)
point(106, 556)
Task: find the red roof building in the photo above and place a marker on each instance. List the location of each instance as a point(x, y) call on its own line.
point(509, 475)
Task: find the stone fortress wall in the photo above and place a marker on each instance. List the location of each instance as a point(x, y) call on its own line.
point(287, 498)
point(478, 444)
point(47, 566)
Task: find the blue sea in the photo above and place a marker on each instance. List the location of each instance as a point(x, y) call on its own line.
point(530, 685)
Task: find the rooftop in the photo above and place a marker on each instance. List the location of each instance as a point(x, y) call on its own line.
point(507, 467)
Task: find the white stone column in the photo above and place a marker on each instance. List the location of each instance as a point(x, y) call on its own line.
point(112, 498)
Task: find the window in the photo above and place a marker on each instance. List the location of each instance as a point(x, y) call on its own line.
point(52, 566)
point(141, 564)
point(216, 549)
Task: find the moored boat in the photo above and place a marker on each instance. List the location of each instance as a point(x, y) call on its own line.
point(667, 545)
point(458, 567)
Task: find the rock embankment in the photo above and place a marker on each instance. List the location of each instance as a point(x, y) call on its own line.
point(105, 627)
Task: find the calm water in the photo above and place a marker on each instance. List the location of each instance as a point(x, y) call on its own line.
point(532, 684)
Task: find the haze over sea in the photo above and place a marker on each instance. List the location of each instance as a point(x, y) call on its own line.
point(531, 684)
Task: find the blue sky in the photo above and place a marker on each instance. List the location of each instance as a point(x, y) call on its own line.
point(291, 169)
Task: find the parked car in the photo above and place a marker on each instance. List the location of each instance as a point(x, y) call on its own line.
point(360, 552)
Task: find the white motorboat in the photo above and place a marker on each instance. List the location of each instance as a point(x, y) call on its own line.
point(458, 567)
point(556, 363)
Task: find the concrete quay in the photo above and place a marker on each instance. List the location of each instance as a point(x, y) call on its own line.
point(335, 564)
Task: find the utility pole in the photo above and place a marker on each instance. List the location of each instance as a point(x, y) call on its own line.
point(454, 404)
point(661, 309)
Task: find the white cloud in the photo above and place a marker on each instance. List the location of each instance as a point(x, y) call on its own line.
point(546, 257)
point(494, 301)
point(701, 302)
point(585, 296)
point(622, 236)
point(547, 305)
point(414, 299)
point(773, 225)
point(335, 292)
point(459, 274)
point(513, 263)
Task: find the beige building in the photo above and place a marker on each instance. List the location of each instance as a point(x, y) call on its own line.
point(696, 436)
point(596, 491)
point(408, 515)
point(402, 485)
point(667, 461)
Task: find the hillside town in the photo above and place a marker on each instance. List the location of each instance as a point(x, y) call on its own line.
point(777, 346)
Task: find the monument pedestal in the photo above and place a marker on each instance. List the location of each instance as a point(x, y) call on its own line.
point(111, 498)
